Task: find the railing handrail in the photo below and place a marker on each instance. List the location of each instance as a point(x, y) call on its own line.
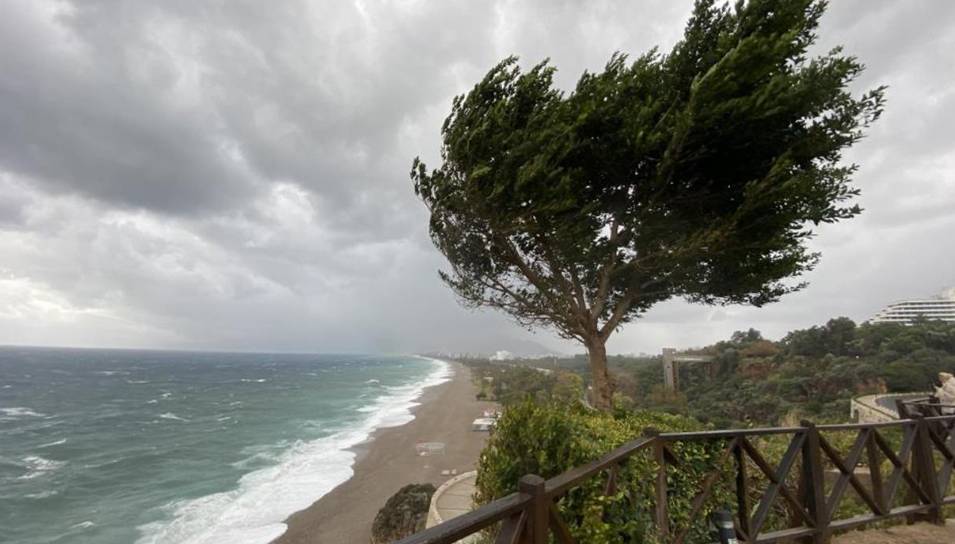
point(557, 485)
point(518, 509)
point(472, 522)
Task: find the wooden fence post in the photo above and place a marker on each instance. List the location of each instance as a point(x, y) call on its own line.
point(875, 474)
point(537, 512)
point(934, 402)
point(812, 483)
point(923, 465)
point(661, 514)
point(902, 408)
point(742, 490)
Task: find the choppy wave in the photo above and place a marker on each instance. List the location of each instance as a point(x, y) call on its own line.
point(255, 511)
point(51, 444)
point(42, 494)
point(18, 412)
point(38, 466)
point(172, 416)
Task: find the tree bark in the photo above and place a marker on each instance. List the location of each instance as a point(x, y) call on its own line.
point(602, 386)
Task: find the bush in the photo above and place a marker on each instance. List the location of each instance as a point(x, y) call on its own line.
point(405, 513)
point(549, 439)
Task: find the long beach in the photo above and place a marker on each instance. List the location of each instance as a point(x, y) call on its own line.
point(388, 461)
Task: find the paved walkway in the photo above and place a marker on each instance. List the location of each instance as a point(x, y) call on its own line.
point(919, 533)
point(456, 499)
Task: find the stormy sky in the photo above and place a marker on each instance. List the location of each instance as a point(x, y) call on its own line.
point(234, 175)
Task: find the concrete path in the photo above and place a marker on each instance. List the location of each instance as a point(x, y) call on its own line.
point(919, 533)
point(456, 497)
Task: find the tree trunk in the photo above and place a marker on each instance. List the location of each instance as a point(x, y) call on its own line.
point(602, 387)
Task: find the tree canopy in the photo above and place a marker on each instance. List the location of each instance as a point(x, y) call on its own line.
point(698, 173)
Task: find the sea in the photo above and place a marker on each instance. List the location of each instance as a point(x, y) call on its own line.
point(163, 447)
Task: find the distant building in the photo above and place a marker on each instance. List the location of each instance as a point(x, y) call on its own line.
point(502, 355)
point(907, 312)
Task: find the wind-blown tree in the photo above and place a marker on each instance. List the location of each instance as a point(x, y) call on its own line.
point(696, 174)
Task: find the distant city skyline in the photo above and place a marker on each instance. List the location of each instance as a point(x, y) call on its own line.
point(226, 177)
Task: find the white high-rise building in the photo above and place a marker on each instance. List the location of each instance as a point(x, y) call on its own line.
point(940, 307)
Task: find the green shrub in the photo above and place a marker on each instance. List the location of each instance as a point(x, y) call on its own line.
point(548, 439)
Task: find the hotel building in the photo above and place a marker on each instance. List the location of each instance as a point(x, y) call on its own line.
point(907, 312)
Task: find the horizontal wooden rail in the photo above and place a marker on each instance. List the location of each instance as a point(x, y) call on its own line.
point(471, 523)
point(824, 474)
point(558, 485)
point(729, 433)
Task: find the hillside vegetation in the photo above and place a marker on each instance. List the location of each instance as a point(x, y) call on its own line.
point(811, 373)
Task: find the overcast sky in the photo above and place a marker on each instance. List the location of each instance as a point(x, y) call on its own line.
point(185, 174)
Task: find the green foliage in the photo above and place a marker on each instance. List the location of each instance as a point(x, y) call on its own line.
point(548, 439)
point(811, 373)
point(568, 388)
point(696, 174)
point(835, 338)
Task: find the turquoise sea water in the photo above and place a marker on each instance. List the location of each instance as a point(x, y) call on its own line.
point(116, 446)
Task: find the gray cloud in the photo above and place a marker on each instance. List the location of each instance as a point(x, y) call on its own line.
point(234, 175)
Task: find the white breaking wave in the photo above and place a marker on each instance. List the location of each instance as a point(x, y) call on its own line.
point(43, 494)
point(38, 466)
point(19, 411)
point(254, 513)
point(172, 416)
point(54, 443)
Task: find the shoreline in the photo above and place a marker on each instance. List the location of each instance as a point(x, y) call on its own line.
point(387, 461)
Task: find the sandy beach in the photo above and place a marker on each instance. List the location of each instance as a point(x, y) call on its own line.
point(389, 461)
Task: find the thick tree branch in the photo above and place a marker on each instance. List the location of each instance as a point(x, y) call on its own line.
point(525, 307)
point(603, 287)
point(542, 283)
point(619, 312)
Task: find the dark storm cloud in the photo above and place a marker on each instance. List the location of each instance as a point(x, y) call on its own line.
point(234, 174)
point(94, 117)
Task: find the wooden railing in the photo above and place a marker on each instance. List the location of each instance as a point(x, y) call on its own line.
point(919, 453)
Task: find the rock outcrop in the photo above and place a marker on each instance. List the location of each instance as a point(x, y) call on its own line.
point(404, 514)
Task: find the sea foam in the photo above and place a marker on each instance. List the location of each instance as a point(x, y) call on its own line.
point(14, 412)
point(254, 512)
point(51, 444)
point(38, 466)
